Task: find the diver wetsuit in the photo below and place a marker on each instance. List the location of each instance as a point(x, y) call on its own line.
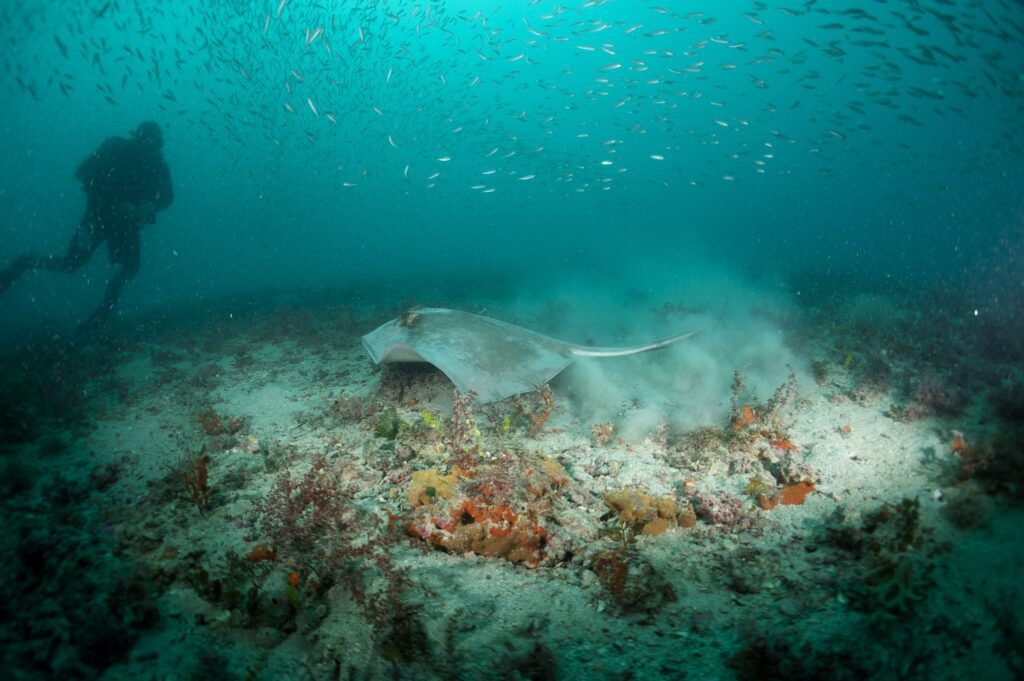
point(126, 182)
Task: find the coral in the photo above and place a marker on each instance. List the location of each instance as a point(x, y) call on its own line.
point(501, 422)
point(530, 413)
point(462, 430)
point(303, 518)
point(752, 412)
point(632, 582)
point(753, 423)
point(214, 424)
point(310, 524)
point(487, 530)
point(687, 516)
point(387, 424)
point(601, 433)
point(433, 421)
point(760, 441)
point(498, 479)
point(759, 485)
point(737, 389)
point(540, 417)
point(642, 513)
point(743, 418)
point(428, 485)
point(784, 396)
point(698, 448)
point(722, 510)
point(784, 444)
point(495, 510)
point(795, 494)
point(785, 469)
point(195, 476)
point(211, 422)
point(555, 474)
point(790, 495)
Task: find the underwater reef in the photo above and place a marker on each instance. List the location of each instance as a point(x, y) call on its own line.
point(260, 501)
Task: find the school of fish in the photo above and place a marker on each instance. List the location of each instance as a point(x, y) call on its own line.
point(537, 96)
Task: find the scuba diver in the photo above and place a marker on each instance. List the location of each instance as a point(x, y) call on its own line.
point(126, 183)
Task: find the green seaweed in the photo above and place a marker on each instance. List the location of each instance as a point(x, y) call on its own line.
point(433, 421)
point(388, 424)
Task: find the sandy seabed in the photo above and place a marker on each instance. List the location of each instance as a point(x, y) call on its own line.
point(251, 498)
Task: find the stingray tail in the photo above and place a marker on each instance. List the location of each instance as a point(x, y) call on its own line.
point(584, 351)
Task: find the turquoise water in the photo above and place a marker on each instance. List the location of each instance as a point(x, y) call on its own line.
point(828, 192)
point(878, 142)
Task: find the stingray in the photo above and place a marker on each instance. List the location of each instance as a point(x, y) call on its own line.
point(491, 358)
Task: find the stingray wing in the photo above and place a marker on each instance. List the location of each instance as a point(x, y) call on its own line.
point(489, 357)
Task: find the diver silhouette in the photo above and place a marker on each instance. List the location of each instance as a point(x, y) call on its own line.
point(126, 183)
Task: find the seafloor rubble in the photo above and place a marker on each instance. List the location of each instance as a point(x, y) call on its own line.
point(252, 499)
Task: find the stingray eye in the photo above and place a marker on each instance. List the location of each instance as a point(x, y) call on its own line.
point(408, 319)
